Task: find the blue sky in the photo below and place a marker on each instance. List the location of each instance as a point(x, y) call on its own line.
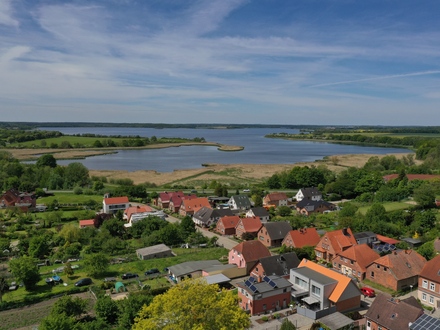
point(340, 62)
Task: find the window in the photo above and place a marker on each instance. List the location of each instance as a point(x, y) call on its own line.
point(300, 282)
point(425, 284)
point(384, 269)
point(424, 296)
point(264, 307)
point(352, 262)
point(316, 291)
point(431, 300)
point(372, 274)
point(318, 254)
point(432, 286)
point(256, 269)
point(378, 266)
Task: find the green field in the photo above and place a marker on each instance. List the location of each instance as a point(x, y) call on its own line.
point(389, 206)
point(69, 198)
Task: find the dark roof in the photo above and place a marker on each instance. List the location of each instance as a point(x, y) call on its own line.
point(315, 204)
point(263, 286)
point(192, 266)
point(364, 234)
point(310, 192)
point(206, 213)
point(393, 314)
point(252, 250)
point(280, 265)
point(260, 212)
point(425, 322)
point(242, 201)
point(278, 229)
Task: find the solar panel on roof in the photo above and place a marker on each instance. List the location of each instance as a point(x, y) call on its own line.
point(266, 279)
point(379, 248)
point(392, 247)
point(253, 288)
point(426, 322)
point(247, 283)
point(252, 279)
point(386, 248)
point(272, 284)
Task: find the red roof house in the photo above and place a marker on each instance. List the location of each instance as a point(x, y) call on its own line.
point(248, 226)
point(354, 260)
point(246, 254)
point(301, 237)
point(87, 223)
point(333, 242)
point(226, 225)
point(114, 204)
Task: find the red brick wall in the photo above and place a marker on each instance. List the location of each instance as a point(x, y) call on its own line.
point(263, 237)
point(349, 304)
point(270, 302)
point(381, 277)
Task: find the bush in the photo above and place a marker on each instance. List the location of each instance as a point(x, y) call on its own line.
point(77, 191)
point(265, 318)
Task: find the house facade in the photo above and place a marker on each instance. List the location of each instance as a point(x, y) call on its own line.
point(301, 237)
point(249, 226)
point(272, 234)
point(23, 200)
point(334, 242)
point(259, 212)
point(310, 193)
point(115, 204)
point(429, 283)
point(191, 206)
point(246, 254)
point(279, 265)
point(205, 217)
point(276, 199)
point(240, 203)
point(268, 295)
point(398, 270)
point(307, 206)
point(226, 225)
point(355, 260)
point(155, 251)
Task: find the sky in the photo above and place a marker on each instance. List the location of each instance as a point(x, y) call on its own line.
point(323, 62)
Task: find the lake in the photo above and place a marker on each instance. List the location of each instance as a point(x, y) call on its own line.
point(257, 149)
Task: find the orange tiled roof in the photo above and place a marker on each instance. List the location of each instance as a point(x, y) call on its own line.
point(338, 240)
point(251, 225)
point(116, 200)
point(403, 264)
point(431, 270)
point(87, 223)
point(230, 221)
point(252, 250)
point(195, 204)
point(279, 196)
point(385, 239)
point(343, 281)
point(137, 209)
point(304, 237)
point(362, 254)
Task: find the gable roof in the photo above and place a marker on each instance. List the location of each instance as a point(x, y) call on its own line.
point(192, 266)
point(362, 254)
point(229, 221)
point(206, 213)
point(385, 239)
point(338, 240)
point(279, 264)
point(276, 196)
point(88, 222)
point(313, 204)
point(195, 204)
point(260, 212)
point(166, 196)
point(277, 229)
point(431, 270)
point(310, 192)
point(402, 264)
point(393, 314)
point(242, 201)
point(251, 225)
point(342, 281)
point(304, 237)
point(153, 249)
point(129, 211)
point(116, 200)
point(252, 250)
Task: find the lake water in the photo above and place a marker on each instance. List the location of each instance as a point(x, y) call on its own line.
point(257, 149)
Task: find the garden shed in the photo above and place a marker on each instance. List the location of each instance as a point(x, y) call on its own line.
point(120, 287)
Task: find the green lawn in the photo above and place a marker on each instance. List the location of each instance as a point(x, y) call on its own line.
point(69, 198)
point(389, 206)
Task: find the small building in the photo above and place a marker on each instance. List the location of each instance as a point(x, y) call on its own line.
point(272, 234)
point(366, 237)
point(310, 193)
point(22, 200)
point(132, 210)
point(87, 223)
point(226, 225)
point(155, 251)
point(259, 212)
point(307, 206)
point(269, 295)
point(276, 199)
point(388, 313)
point(206, 216)
point(248, 226)
point(279, 265)
point(114, 204)
point(191, 269)
point(247, 254)
point(301, 237)
point(412, 242)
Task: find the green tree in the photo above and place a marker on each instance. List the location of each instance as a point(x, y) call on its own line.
point(287, 325)
point(25, 270)
point(69, 306)
point(57, 322)
point(130, 307)
point(39, 246)
point(170, 234)
point(284, 211)
point(115, 227)
point(187, 227)
point(96, 264)
point(46, 160)
point(427, 250)
point(425, 195)
point(76, 174)
point(208, 309)
point(107, 309)
point(68, 270)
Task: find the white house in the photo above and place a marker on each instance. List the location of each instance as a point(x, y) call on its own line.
point(310, 193)
point(114, 204)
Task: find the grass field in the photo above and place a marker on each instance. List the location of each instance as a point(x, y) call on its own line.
point(389, 206)
point(69, 198)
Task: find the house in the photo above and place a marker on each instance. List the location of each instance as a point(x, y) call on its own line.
point(128, 212)
point(239, 202)
point(155, 251)
point(177, 200)
point(23, 200)
point(334, 242)
point(366, 237)
point(279, 265)
point(272, 234)
point(354, 260)
point(114, 204)
point(307, 206)
point(269, 295)
point(320, 291)
point(163, 201)
point(388, 313)
point(87, 223)
point(276, 199)
point(398, 270)
point(248, 226)
point(191, 269)
point(429, 283)
point(259, 212)
point(226, 225)
point(191, 206)
point(311, 193)
point(247, 254)
point(301, 237)
point(205, 217)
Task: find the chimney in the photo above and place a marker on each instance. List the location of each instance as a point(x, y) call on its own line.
point(345, 231)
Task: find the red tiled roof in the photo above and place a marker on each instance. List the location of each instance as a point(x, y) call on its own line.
point(116, 200)
point(136, 209)
point(230, 221)
point(276, 196)
point(338, 240)
point(252, 250)
point(403, 263)
point(388, 240)
point(362, 254)
point(431, 270)
point(86, 223)
point(196, 204)
point(304, 237)
point(251, 225)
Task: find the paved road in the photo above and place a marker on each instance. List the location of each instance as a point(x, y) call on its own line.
point(222, 240)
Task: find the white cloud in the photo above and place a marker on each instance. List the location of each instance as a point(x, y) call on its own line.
point(6, 14)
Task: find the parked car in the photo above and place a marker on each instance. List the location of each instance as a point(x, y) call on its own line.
point(246, 190)
point(368, 292)
point(84, 281)
point(152, 271)
point(127, 276)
